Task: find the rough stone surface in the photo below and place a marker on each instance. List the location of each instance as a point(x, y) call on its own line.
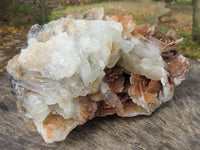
point(175, 125)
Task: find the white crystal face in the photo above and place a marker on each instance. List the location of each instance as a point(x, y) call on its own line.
point(67, 47)
point(143, 58)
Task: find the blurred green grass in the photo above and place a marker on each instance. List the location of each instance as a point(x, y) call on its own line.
point(18, 15)
point(57, 13)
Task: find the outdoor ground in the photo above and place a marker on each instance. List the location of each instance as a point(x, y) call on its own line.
point(12, 38)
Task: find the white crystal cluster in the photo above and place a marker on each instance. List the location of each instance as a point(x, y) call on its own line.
point(65, 59)
point(143, 59)
point(74, 52)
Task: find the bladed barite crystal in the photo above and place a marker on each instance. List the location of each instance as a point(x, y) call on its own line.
point(88, 65)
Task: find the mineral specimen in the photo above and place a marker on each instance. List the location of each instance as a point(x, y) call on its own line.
point(88, 65)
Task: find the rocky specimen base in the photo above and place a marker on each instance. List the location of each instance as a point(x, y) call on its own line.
point(88, 65)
